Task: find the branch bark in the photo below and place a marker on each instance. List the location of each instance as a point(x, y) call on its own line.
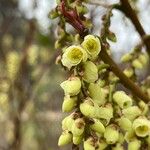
point(129, 84)
point(126, 8)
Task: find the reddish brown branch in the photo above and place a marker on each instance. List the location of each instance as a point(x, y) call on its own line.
point(129, 84)
point(131, 14)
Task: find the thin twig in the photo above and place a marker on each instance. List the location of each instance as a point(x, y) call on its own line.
point(99, 3)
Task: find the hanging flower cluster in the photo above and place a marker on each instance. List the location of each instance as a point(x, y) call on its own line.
point(96, 120)
point(101, 116)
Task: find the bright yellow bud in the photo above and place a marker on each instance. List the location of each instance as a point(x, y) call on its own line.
point(123, 100)
point(73, 55)
point(92, 45)
point(71, 86)
point(118, 147)
point(130, 135)
point(90, 72)
point(101, 145)
point(128, 72)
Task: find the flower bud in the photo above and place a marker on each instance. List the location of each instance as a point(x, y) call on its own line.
point(126, 57)
point(134, 145)
point(131, 112)
point(125, 123)
point(89, 144)
point(65, 138)
point(97, 126)
point(90, 73)
point(128, 72)
point(118, 147)
point(88, 108)
point(78, 127)
point(141, 126)
point(92, 45)
point(129, 136)
point(71, 86)
point(67, 123)
point(123, 100)
point(97, 93)
point(77, 139)
point(144, 107)
point(143, 58)
point(105, 113)
point(73, 55)
point(101, 145)
point(69, 103)
point(137, 64)
point(111, 134)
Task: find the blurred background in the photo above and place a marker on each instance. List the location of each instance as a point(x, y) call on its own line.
point(31, 98)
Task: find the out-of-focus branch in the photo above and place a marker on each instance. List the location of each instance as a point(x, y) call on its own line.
point(126, 8)
point(22, 86)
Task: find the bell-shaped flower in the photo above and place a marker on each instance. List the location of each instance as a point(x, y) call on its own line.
point(111, 134)
point(92, 45)
point(131, 112)
point(122, 99)
point(73, 55)
point(141, 126)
